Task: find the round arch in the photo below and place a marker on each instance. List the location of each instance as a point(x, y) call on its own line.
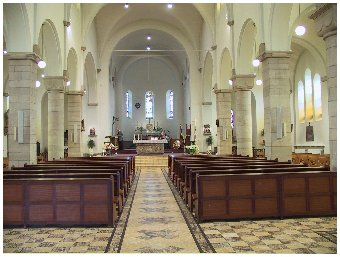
point(50, 48)
point(245, 50)
point(91, 79)
point(279, 27)
point(225, 69)
point(17, 29)
point(72, 69)
point(207, 77)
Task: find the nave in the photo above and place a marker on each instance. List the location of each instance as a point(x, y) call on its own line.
point(155, 220)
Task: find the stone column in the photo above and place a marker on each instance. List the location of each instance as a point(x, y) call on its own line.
point(22, 113)
point(276, 97)
point(325, 18)
point(242, 85)
point(224, 133)
point(55, 87)
point(74, 100)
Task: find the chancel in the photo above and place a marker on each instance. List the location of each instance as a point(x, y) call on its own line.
point(170, 128)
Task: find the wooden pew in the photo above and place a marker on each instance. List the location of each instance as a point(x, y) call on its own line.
point(193, 174)
point(77, 200)
point(49, 171)
point(257, 195)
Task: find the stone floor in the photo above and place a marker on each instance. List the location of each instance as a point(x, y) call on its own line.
point(155, 220)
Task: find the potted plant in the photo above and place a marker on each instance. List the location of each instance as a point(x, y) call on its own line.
point(209, 141)
point(91, 144)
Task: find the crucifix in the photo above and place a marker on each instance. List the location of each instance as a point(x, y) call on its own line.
point(149, 119)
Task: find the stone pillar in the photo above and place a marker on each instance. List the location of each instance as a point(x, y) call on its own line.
point(326, 25)
point(74, 100)
point(22, 113)
point(55, 89)
point(242, 85)
point(276, 97)
point(224, 133)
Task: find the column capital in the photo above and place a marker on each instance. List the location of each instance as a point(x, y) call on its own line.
point(75, 93)
point(218, 91)
point(325, 20)
point(243, 82)
point(274, 54)
point(54, 83)
point(23, 56)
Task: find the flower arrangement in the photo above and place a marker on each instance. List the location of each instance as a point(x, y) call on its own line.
point(140, 129)
point(192, 149)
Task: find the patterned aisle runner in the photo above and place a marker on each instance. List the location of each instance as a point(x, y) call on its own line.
point(155, 223)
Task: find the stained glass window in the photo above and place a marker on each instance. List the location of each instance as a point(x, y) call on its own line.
point(309, 96)
point(149, 101)
point(301, 102)
point(317, 97)
point(170, 104)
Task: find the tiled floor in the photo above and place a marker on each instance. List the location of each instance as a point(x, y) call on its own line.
point(152, 221)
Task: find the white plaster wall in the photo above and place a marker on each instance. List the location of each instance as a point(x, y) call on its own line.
point(161, 79)
point(321, 135)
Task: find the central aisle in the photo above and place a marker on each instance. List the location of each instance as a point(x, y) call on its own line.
point(156, 224)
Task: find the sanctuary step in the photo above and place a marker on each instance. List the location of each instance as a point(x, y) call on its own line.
point(151, 160)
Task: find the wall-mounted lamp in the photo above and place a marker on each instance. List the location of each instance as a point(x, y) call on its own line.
point(300, 30)
point(5, 48)
point(67, 23)
point(66, 77)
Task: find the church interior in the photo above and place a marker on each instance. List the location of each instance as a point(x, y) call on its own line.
point(170, 128)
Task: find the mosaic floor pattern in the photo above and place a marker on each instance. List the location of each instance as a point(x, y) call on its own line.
point(156, 224)
point(155, 220)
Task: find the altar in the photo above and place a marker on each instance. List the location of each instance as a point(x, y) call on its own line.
point(150, 146)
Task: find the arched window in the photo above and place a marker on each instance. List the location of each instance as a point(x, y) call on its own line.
point(128, 103)
point(149, 102)
point(170, 104)
point(317, 97)
point(309, 96)
point(301, 102)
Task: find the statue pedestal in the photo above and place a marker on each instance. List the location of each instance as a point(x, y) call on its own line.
point(150, 146)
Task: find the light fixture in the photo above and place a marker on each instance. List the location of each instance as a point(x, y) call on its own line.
point(85, 91)
point(43, 75)
point(256, 62)
point(148, 37)
point(67, 23)
point(230, 82)
point(300, 30)
point(126, 6)
point(37, 83)
point(258, 82)
point(41, 64)
point(148, 48)
point(68, 83)
point(169, 6)
point(4, 45)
